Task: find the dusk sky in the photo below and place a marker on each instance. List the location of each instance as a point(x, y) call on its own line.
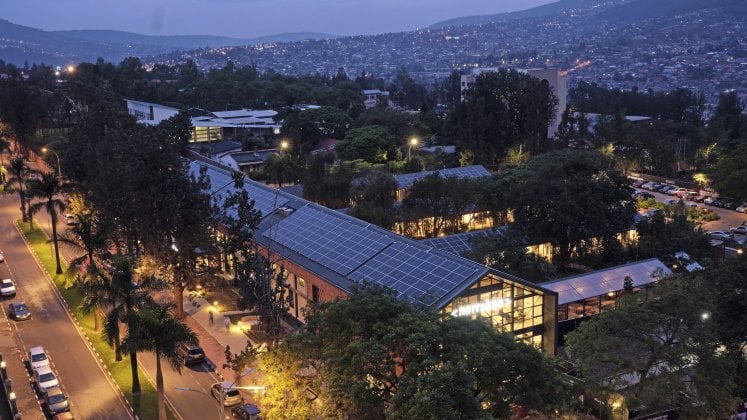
point(249, 18)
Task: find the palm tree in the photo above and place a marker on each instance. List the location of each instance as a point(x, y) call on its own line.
point(123, 296)
point(158, 331)
point(89, 237)
point(48, 188)
point(18, 168)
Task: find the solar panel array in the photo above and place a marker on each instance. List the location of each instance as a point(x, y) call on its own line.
point(265, 199)
point(455, 244)
point(475, 171)
point(328, 239)
point(415, 272)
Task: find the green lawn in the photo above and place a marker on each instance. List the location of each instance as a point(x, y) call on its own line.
point(120, 371)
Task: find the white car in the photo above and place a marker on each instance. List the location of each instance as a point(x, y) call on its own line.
point(38, 358)
point(720, 234)
point(741, 229)
point(7, 287)
point(231, 396)
point(709, 200)
point(45, 378)
point(742, 208)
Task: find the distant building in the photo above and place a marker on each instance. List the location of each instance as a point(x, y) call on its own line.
point(372, 97)
point(555, 78)
point(149, 113)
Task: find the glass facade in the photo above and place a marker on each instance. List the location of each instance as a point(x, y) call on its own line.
point(509, 306)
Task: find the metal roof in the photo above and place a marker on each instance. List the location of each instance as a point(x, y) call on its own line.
point(601, 282)
point(405, 181)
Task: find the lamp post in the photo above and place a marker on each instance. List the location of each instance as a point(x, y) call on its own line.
point(184, 388)
point(283, 146)
point(413, 143)
point(59, 168)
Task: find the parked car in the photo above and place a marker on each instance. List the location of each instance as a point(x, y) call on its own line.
point(19, 311)
point(55, 402)
point(246, 412)
point(742, 208)
point(701, 198)
point(679, 192)
point(670, 201)
point(647, 185)
point(720, 234)
point(231, 396)
point(710, 200)
point(191, 353)
point(7, 287)
point(741, 229)
point(45, 378)
point(38, 357)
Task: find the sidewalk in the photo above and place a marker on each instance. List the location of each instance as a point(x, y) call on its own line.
point(214, 339)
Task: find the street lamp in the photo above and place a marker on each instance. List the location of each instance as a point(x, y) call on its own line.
point(185, 388)
point(283, 146)
point(59, 168)
point(413, 143)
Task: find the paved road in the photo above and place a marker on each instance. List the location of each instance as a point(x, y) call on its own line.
point(728, 218)
point(187, 405)
point(92, 394)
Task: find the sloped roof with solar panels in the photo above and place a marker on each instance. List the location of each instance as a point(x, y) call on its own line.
point(405, 181)
point(458, 243)
point(344, 250)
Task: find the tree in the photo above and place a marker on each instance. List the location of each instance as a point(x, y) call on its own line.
point(435, 204)
point(48, 189)
point(371, 355)
point(370, 143)
point(666, 234)
point(500, 110)
point(19, 170)
point(658, 348)
point(373, 199)
point(124, 296)
point(507, 252)
point(159, 332)
point(88, 236)
point(281, 168)
point(730, 177)
point(569, 196)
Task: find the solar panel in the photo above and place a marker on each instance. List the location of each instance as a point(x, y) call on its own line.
point(415, 272)
point(221, 185)
point(455, 244)
point(328, 238)
point(474, 171)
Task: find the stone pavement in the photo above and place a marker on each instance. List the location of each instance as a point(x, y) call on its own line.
point(214, 339)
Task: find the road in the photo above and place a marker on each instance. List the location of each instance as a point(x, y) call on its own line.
point(187, 405)
point(92, 393)
point(728, 218)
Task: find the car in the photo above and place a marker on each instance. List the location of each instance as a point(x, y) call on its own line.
point(2, 257)
point(670, 201)
point(742, 208)
point(679, 192)
point(720, 234)
point(647, 185)
point(19, 311)
point(191, 353)
point(45, 378)
point(231, 397)
point(38, 357)
point(643, 195)
point(55, 402)
point(7, 287)
point(70, 219)
point(682, 256)
point(700, 198)
point(710, 200)
point(741, 229)
point(246, 412)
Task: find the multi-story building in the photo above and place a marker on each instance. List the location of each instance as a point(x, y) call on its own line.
point(323, 253)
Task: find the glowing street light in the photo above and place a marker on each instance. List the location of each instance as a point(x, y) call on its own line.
point(284, 146)
point(413, 143)
point(71, 69)
point(59, 168)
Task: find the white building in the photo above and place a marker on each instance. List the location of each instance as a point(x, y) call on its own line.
point(148, 113)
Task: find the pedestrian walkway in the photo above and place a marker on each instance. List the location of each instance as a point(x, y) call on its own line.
point(214, 339)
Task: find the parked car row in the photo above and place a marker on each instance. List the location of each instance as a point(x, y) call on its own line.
point(689, 195)
point(47, 382)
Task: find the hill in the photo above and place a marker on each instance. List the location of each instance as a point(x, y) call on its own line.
point(22, 43)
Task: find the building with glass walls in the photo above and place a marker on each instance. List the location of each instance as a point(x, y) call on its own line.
point(323, 253)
